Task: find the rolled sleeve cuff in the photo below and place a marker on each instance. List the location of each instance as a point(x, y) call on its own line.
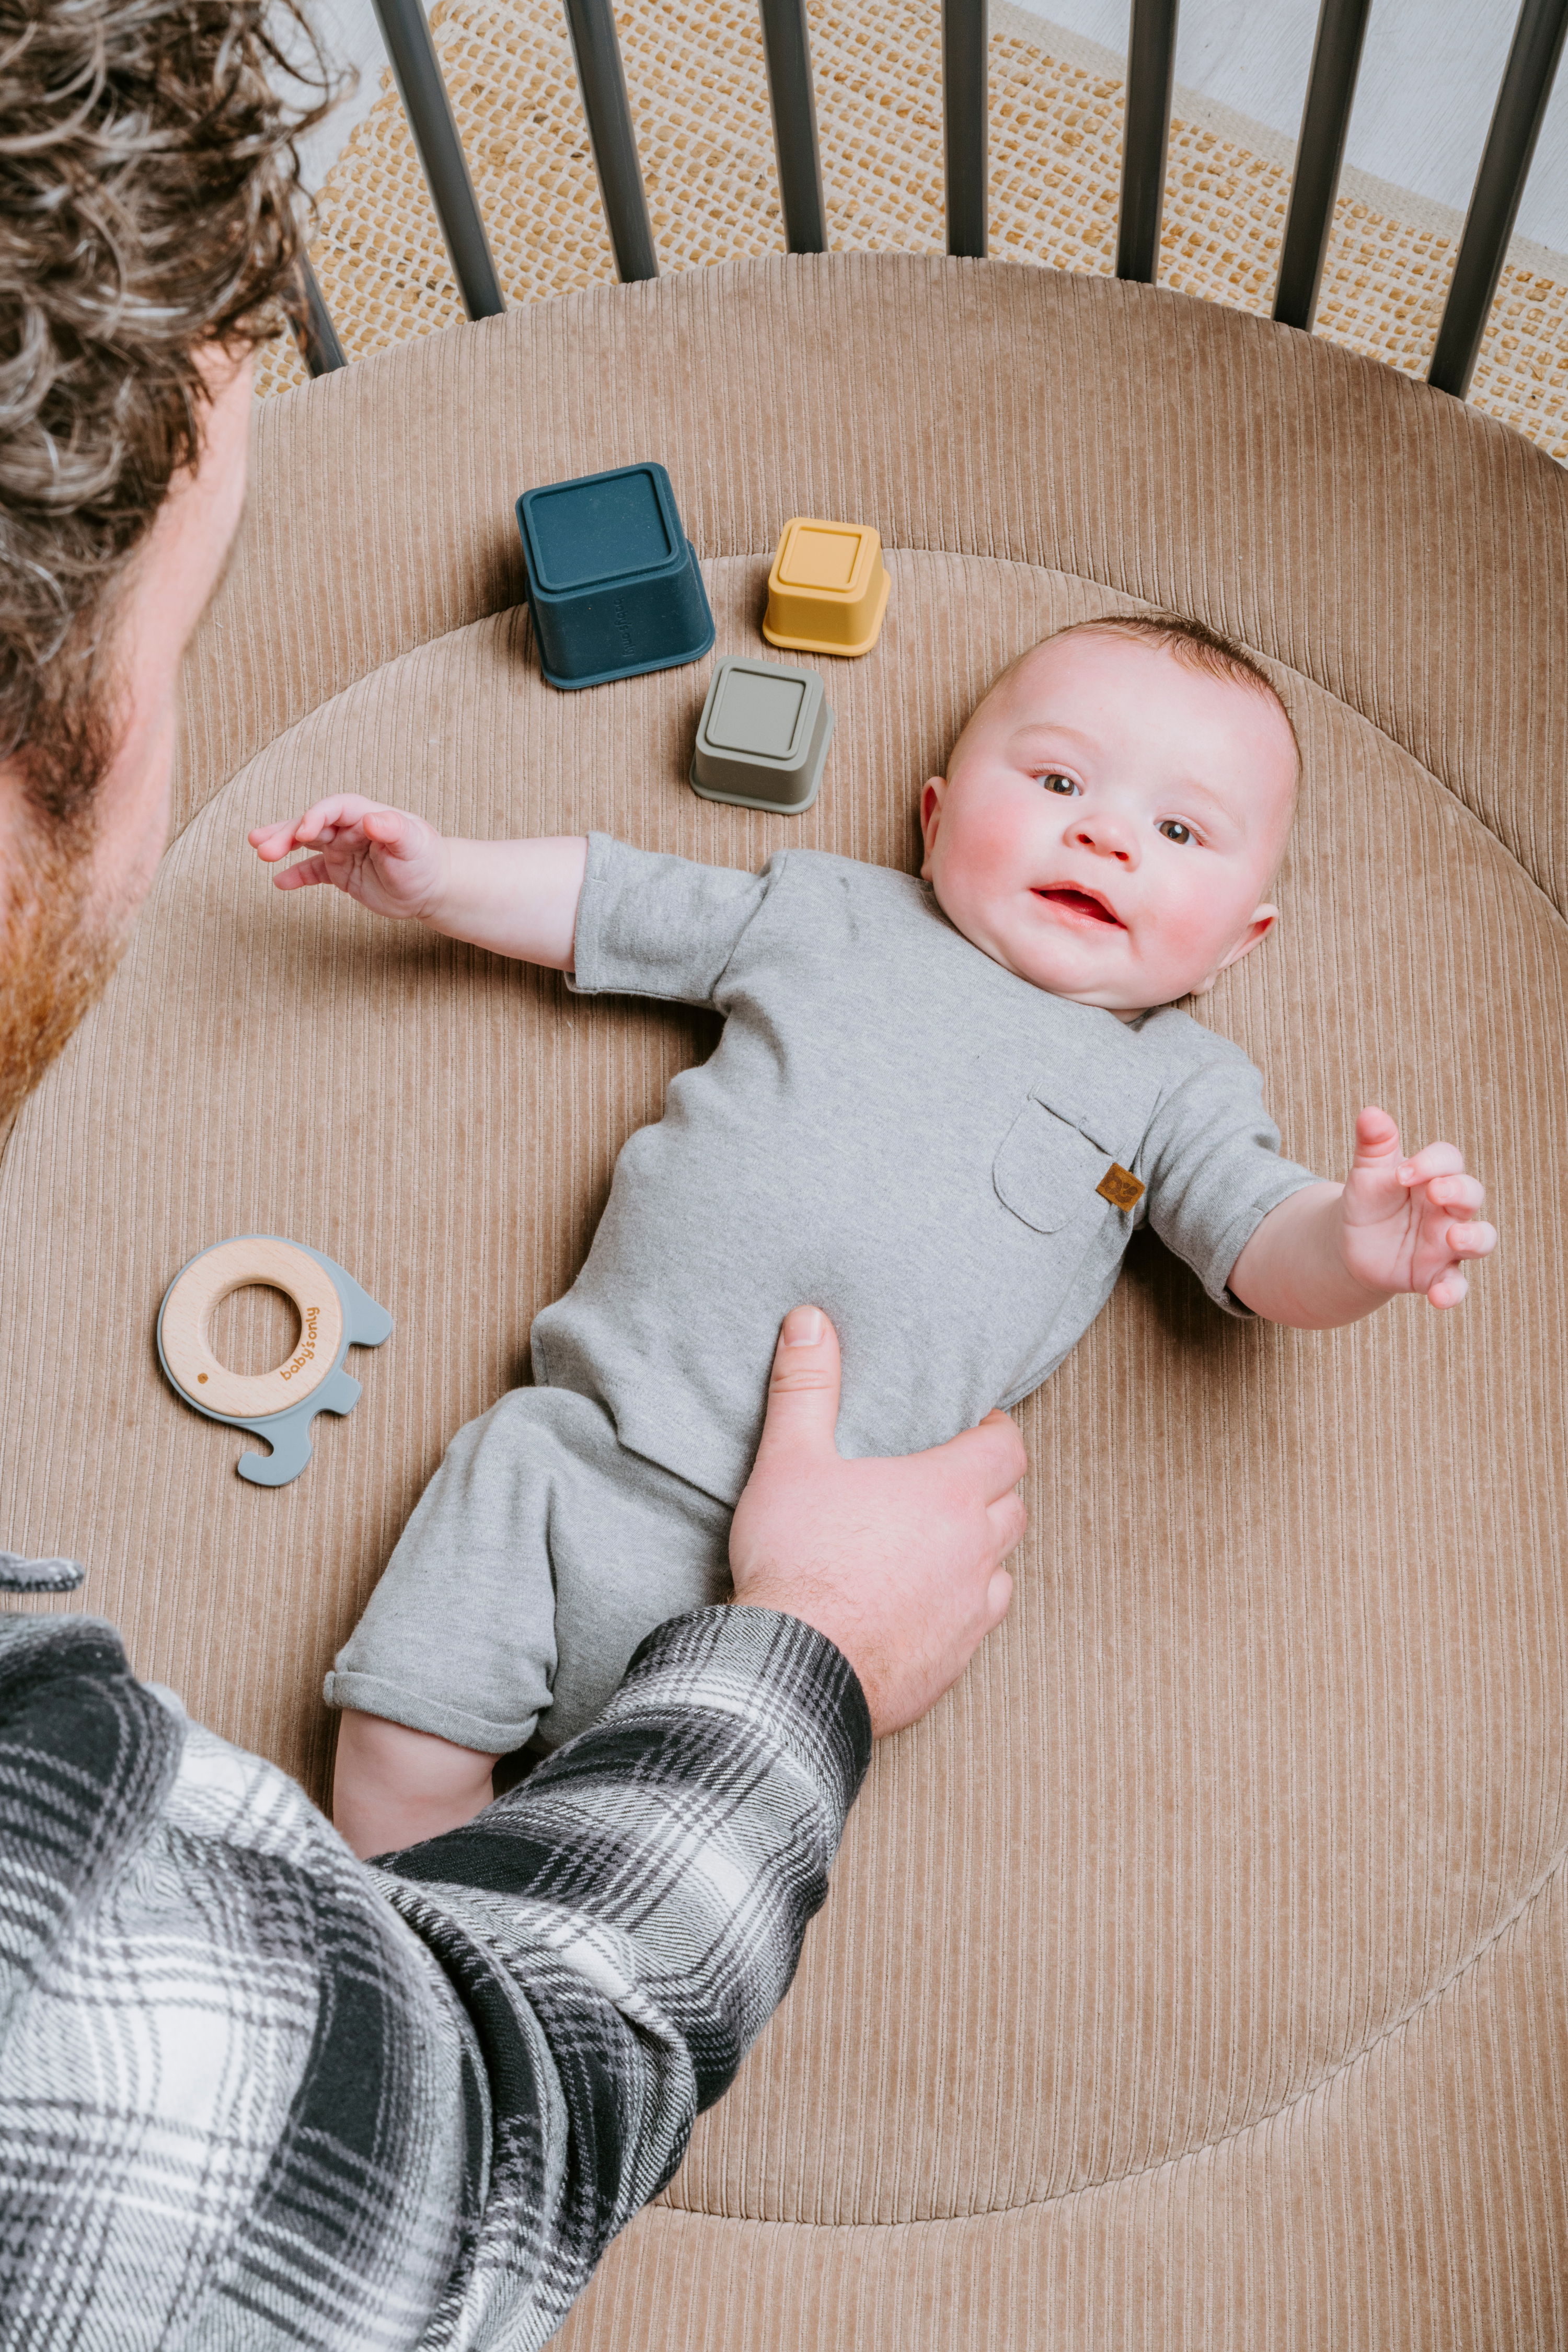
point(760, 1667)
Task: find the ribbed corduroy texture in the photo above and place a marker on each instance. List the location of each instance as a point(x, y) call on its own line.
point(1195, 1975)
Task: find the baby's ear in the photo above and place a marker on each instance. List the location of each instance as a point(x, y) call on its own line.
point(931, 800)
point(1264, 918)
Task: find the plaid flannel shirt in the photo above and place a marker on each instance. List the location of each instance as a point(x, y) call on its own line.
point(256, 2094)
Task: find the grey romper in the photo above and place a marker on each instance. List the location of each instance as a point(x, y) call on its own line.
point(893, 1127)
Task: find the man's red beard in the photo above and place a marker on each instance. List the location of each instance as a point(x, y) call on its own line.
point(57, 948)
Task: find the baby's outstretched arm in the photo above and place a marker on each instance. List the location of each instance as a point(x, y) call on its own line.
point(1333, 1252)
point(516, 897)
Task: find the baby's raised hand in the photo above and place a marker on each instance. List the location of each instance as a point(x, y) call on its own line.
point(392, 863)
point(1411, 1224)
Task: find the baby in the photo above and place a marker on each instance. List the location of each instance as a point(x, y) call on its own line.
point(938, 1109)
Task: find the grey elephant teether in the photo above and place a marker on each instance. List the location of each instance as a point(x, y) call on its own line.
point(18, 1574)
point(335, 1315)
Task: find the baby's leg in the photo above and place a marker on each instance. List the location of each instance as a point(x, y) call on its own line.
point(393, 1787)
point(630, 1545)
point(453, 1659)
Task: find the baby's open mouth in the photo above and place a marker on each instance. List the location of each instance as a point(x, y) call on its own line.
point(1082, 903)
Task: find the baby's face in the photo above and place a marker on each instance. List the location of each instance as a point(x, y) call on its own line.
point(1110, 821)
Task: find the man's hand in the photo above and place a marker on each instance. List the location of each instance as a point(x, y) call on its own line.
point(1333, 1252)
point(1411, 1224)
point(897, 1561)
point(392, 863)
point(515, 897)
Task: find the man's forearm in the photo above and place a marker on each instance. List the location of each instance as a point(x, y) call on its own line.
point(623, 1923)
point(1292, 1270)
point(390, 2135)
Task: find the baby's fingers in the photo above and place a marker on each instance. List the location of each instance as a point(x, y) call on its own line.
point(1376, 1135)
point(1473, 1241)
point(271, 842)
point(1458, 1196)
point(299, 878)
point(397, 834)
point(321, 823)
point(1435, 1160)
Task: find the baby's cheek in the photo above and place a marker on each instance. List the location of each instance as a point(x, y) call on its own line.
point(1185, 923)
point(1194, 928)
point(990, 844)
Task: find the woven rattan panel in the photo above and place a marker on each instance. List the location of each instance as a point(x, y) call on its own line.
point(1195, 1975)
point(699, 96)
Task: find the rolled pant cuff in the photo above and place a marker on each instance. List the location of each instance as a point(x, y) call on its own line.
point(371, 1695)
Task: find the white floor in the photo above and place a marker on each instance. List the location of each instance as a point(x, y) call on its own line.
point(351, 34)
point(1428, 78)
point(1429, 75)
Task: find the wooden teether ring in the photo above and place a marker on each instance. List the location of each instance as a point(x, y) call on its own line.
point(186, 1320)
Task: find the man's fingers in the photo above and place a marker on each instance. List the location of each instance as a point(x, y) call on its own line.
point(1009, 1521)
point(1448, 1289)
point(993, 1451)
point(803, 1391)
point(899, 1561)
point(1475, 1238)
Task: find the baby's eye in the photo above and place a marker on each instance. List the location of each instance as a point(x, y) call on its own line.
point(1058, 784)
point(1173, 829)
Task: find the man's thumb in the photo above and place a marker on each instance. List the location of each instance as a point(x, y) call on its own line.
point(803, 1393)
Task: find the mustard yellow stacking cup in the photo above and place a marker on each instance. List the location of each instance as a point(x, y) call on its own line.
point(828, 588)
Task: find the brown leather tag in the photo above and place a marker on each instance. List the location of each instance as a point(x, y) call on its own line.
point(1119, 1187)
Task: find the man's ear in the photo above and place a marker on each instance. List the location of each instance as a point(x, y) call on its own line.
point(1264, 918)
point(931, 800)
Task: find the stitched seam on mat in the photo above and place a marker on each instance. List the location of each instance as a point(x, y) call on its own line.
point(1146, 604)
point(350, 686)
point(1205, 2147)
point(1018, 562)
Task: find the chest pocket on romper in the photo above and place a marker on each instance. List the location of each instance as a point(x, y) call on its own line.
point(1059, 1148)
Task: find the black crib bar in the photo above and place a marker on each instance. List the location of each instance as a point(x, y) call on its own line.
point(1506, 159)
point(317, 338)
point(965, 34)
point(1533, 60)
point(786, 45)
point(406, 32)
point(603, 83)
point(1146, 137)
point(1319, 154)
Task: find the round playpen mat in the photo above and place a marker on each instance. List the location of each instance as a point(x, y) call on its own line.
point(1196, 1974)
point(697, 87)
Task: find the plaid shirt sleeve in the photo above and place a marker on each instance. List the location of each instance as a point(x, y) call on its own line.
point(254, 2093)
point(620, 1929)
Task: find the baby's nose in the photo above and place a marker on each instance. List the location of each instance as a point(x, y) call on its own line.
point(1105, 837)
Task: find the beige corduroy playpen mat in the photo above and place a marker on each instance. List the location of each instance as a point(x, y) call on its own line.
point(699, 95)
point(1196, 1977)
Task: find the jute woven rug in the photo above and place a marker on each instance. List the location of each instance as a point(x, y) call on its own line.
point(698, 94)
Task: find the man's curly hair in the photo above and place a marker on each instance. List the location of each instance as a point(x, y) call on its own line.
point(148, 205)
